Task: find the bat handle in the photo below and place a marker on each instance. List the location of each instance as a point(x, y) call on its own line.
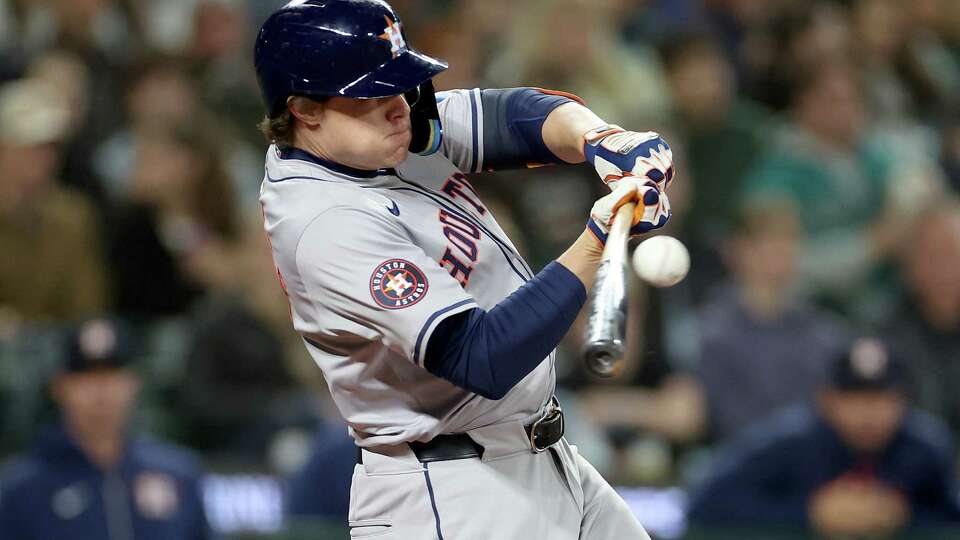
point(603, 347)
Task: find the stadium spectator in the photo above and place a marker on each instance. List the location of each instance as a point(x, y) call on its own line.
point(737, 24)
point(238, 393)
point(219, 60)
point(910, 73)
point(859, 463)
point(160, 97)
point(722, 135)
point(827, 164)
point(591, 61)
point(767, 40)
point(330, 465)
point(763, 346)
point(927, 327)
point(177, 229)
point(102, 34)
point(52, 268)
point(651, 408)
point(90, 477)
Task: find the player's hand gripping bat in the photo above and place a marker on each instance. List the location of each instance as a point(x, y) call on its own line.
point(603, 347)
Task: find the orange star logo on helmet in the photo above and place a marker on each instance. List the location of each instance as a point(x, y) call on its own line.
point(394, 34)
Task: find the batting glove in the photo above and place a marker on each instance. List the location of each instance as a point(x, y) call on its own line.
point(617, 153)
point(652, 210)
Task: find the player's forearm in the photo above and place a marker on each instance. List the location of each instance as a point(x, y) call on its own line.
point(583, 258)
point(489, 352)
point(564, 129)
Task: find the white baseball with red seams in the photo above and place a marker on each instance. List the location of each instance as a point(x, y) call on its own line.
point(661, 261)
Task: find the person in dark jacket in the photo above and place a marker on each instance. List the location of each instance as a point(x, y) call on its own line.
point(321, 488)
point(858, 462)
point(88, 477)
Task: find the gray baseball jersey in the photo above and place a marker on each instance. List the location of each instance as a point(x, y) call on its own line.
point(372, 262)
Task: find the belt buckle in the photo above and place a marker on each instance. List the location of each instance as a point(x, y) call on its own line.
point(552, 411)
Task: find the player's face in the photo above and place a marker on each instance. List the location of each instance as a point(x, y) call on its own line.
point(366, 133)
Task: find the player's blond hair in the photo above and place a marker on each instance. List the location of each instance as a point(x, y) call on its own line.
point(279, 129)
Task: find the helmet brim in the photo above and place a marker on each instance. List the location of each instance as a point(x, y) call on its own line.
point(408, 70)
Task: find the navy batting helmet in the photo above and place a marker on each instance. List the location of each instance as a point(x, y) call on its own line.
point(349, 48)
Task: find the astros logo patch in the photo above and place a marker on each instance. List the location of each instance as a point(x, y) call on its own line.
point(397, 283)
point(394, 34)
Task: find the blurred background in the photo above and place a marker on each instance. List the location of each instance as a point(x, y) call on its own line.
point(817, 145)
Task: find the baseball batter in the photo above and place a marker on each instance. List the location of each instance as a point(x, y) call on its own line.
point(434, 335)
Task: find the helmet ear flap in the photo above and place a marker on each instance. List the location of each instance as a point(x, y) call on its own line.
point(424, 119)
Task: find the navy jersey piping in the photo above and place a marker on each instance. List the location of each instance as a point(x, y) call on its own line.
point(473, 117)
point(466, 214)
point(273, 180)
point(430, 319)
point(290, 153)
point(433, 499)
point(505, 250)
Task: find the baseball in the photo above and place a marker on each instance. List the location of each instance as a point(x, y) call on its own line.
point(661, 261)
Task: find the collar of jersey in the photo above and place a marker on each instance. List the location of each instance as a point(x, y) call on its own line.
point(289, 152)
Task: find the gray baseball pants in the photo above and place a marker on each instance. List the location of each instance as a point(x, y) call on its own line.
point(509, 494)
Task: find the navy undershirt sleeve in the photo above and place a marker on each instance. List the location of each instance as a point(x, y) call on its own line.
point(488, 352)
point(513, 127)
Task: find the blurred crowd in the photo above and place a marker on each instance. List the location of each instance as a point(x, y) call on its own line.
point(810, 357)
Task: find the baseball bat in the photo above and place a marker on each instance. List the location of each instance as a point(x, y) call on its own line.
point(603, 346)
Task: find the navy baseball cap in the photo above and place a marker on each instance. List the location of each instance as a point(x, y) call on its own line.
point(866, 364)
point(94, 345)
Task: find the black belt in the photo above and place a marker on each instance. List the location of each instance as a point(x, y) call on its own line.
point(542, 434)
point(442, 448)
point(447, 448)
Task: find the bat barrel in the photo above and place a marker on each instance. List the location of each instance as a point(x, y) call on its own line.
point(603, 347)
point(603, 357)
